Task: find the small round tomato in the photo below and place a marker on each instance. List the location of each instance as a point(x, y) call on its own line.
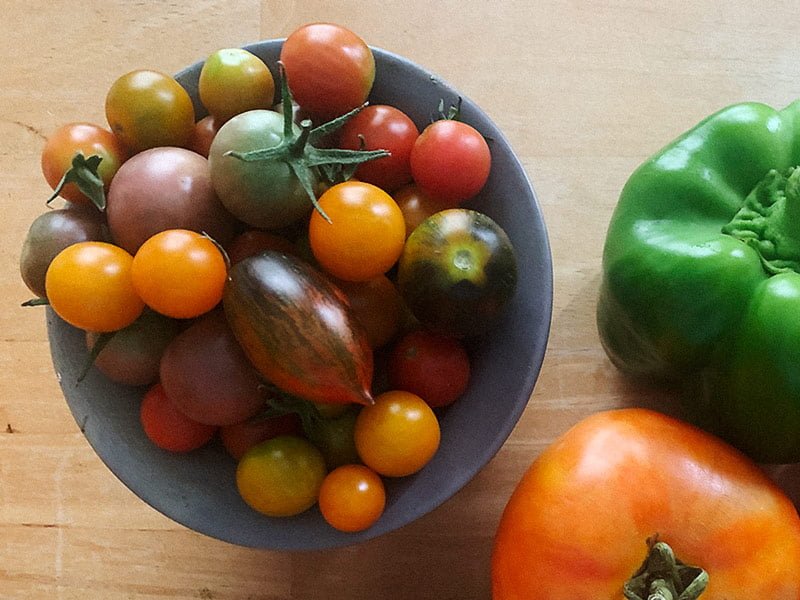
point(397, 435)
point(146, 109)
point(89, 285)
point(281, 477)
point(330, 70)
point(382, 127)
point(179, 273)
point(352, 498)
point(378, 307)
point(451, 161)
point(167, 427)
point(254, 241)
point(203, 134)
point(333, 436)
point(365, 234)
point(232, 81)
point(416, 205)
point(238, 438)
point(89, 140)
point(434, 367)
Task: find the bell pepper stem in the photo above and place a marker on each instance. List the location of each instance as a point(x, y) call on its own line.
point(664, 577)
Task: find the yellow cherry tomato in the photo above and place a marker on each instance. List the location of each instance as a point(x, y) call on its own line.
point(233, 81)
point(352, 498)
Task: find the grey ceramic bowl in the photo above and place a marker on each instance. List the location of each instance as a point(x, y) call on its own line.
point(198, 490)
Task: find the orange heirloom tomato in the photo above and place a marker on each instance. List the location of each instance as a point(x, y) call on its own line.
point(577, 524)
point(179, 273)
point(89, 285)
point(365, 234)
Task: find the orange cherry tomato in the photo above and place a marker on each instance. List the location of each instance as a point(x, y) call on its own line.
point(89, 285)
point(179, 273)
point(89, 140)
point(365, 235)
point(146, 109)
point(577, 524)
point(352, 498)
point(417, 206)
point(397, 435)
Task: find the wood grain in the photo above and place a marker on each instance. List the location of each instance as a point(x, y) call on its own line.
point(584, 90)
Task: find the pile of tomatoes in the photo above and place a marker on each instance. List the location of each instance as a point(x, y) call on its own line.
point(161, 205)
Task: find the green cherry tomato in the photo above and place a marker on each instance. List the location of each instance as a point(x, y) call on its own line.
point(281, 477)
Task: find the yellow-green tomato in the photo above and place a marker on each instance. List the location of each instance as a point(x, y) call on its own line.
point(233, 81)
point(281, 477)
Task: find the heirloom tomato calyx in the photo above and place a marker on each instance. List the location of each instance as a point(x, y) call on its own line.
point(84, 174)
point(664, 577)
point(298, 150)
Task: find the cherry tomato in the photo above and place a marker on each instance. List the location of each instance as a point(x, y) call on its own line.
point(146, 109)
point(366, 233)
point(330, 70)
point(179, 273)
point(577, 524)
point(382, 127)
point(238, 438)
point(254, 241)
point(281, 477)
point(89, 285)
point(398, 435)
point(416, 205)
point(434, 367)
point(89, 140)
point(203, 134)
point(167, 427)
point(333, 436)
point(378, 307)
point(451, 161)
point(233, 81)
point(352, 498)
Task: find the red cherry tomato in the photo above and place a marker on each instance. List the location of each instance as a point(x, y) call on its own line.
point(434, 367)
point(330, 70)
point(450, 161)
point(416, 205)
point(167, 427)
point(238, 438)
point(382, 127)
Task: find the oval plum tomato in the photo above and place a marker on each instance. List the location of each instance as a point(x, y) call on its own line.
point(89, 140)
point(265, 195)
point(382, 127)
point(89, 285)
point(458, 272)
point(365, 234)
point(451, 161)
point(133, 354)
point(577, 524)
point(146, 109)
point(281, 477)
point(206, 375)
point(398, 435)
point(330, 70)
point(416, 205)
point(167, 427)
point(434, 367)
point(238, 438)
point(233, 81)
point(352, 498)
point(179, 273)
point(378, 307)
point(165, 188)
point(50, 233)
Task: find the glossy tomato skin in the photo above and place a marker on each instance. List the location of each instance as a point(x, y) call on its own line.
point(576, 526)
point(233, 81)
point(148, 109)
point(167, 427)
point(88, 139)
point(365, 234)
point(264, 195)
point(382, 127)
point(238, 438)
point(352, 498)
point(330, 70)
point(416, 205)
point(451, 161)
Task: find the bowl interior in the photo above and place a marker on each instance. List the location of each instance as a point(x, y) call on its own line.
point(198, 489)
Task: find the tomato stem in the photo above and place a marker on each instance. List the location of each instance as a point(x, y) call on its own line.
point(83, 173)
point(664, 577)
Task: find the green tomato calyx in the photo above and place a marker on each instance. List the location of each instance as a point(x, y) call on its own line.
point(83, 173)
point(298, 150)
point(664, 577)
point(769, 221)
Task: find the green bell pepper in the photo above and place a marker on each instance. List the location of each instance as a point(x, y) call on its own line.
point(701, 276)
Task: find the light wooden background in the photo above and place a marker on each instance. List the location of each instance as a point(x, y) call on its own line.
point(584, 90)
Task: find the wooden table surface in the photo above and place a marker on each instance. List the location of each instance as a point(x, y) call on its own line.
point(584, 90)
